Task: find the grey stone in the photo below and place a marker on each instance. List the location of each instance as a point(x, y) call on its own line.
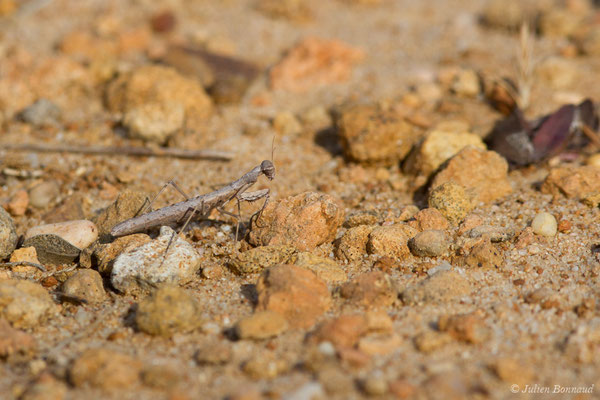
point(8, 234)
point(40, 113)
point(146, 266)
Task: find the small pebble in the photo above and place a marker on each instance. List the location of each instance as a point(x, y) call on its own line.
point(370, 134)
point(375, 385)
point(565, 226)
point(41, 113)
point(303, 221)
point(245, 392)
point(18, 203)
point(572, 182)
point(292, 10)
point(313, 62)
point(14, 341)
point(546, 297)
point(430, 341)
point(261, 325)
point(163, 22)
point(325, 268)
point(49, 282)
point(439, 145)
point(52, 249)
point(85, 284)
point(429, 218)
point(102, 255)
point(316, 117)
point(430, 92)
point(468, 328)
point(265, 365)
point(470, 222)
point(213, 352)
point(160, 376)
point(441, 287)
point(386, 264)
point(286, 124)
point(45, 387)
point(591, 200)
point(453, 385)
point(560, 22)
point(557, 72)
point(443, 266)
point(156, 101)
point(295, 293)
point(105, 369)
point(8, 234)
point(544, 224)
point(326, 348)
point(43, 194)
point(79, 233)
point(154, 122)
point(484, 255)
point(402, 389)
point(343, 331)
point(524, 238)
point(406, 213)
point(494, 233)
point(212, 328)
point(513, 371)
point(590, 43)
point(26, 254)
point(142, 268)
point(70, 209)
point(483, 174)
point(378, 345)
point(230, 88)
point(391, 240)
point(378, 321)
point(214, 272)
point(310, 390)
point(371, 289)
point(24, 304)
point(354, 358)
point(429, 243)
point(353, 244)
point(506, 15)
point(167, 311)
point(337, 382)
point(259, 258)
point(452, 201)
point(61, 242)
point(466, 83)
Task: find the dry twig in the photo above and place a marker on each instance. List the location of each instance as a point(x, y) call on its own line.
point(215, 155)
point(25, 263)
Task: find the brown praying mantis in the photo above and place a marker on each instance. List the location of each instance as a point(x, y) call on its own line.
point(200, 206)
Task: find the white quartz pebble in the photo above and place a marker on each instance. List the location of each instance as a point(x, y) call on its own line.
point(80, 233)
point(167, 259)
point(544, 224)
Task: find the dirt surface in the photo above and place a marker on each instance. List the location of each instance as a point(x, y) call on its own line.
point(516, 317)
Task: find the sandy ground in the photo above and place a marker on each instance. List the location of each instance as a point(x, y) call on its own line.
point(406, 43)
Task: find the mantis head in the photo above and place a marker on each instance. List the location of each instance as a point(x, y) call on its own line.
point(267, 168)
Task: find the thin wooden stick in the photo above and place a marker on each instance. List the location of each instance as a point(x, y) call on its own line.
point(25, 263)
point(215, 155)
